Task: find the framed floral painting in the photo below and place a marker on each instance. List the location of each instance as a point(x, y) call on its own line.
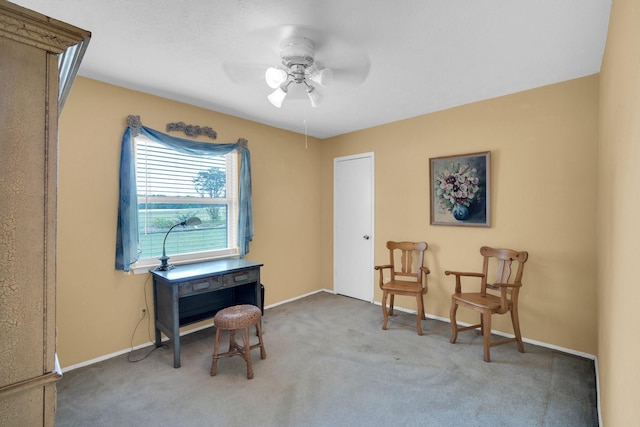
point(460, 190)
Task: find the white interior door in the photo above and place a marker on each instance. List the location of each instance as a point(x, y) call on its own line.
point(353, 226)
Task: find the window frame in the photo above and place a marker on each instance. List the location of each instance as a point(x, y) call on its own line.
point(231, 200)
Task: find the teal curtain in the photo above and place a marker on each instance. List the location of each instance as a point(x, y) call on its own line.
point(127, 242)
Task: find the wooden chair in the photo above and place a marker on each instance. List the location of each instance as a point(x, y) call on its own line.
point(405, 277)
point(497, 297)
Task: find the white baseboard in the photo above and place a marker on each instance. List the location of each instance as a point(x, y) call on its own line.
point(527, 340)
point(128, 350)
point(298, 297)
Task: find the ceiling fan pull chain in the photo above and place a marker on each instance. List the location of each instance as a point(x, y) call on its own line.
point(306, 146)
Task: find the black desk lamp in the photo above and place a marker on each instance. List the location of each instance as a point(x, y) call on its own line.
point(164, 266)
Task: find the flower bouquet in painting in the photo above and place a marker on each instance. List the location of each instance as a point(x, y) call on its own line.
point(456, 186)
point(459, 190)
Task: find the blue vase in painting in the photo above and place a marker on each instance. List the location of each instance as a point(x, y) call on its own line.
point(460, 212)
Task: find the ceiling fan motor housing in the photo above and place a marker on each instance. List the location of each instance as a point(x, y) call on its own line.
point(297, 51)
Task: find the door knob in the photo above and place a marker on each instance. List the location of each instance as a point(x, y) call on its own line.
point(365, 237)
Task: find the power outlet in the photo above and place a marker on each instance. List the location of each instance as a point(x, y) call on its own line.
point(143, 313)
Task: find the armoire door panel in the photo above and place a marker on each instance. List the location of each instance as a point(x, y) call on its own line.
point(22, 211)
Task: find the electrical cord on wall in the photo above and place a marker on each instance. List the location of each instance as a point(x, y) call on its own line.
point(146, 316)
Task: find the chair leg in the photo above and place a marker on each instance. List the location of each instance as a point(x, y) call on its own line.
point(516, 328)
point(486, 333)
point(454, 325)
point(424, 317)
point(247, 352)
point(420, 314)
point(216, 347)
point(385, 314)
point(392, 299)
point(233, 345)
point(263, 352)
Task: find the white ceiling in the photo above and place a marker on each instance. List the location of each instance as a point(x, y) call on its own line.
point(422, 55)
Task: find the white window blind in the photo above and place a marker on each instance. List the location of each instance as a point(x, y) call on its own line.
point(168, 194)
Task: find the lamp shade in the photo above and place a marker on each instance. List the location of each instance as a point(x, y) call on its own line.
point(275, 76)
point(277, 97)
point(194, 220)
point(314, 96)
point(322, 77)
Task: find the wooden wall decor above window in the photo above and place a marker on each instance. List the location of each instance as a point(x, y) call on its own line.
point(192, 130)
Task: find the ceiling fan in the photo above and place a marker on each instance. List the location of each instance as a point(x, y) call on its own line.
point(299, 67)
point(311, 61)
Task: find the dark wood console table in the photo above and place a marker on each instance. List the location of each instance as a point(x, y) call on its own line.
point(189, 293)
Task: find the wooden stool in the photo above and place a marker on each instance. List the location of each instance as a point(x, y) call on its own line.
point(238, 317)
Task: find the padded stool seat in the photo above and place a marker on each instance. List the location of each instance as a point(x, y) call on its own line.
point(233, 318)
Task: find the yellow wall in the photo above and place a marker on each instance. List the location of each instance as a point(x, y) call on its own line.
point(543, 144)
point(618, 226)
point(98, 307)
point(543, 147)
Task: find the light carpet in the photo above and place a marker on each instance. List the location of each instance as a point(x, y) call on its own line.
point(330, 364)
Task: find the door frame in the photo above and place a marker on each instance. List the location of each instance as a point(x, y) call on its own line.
point(370, 279)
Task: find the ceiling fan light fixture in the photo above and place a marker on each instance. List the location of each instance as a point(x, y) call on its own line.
point(277, 96)
point(275, 77)
point(322, 77)
point(297, 54)
point(314, 96)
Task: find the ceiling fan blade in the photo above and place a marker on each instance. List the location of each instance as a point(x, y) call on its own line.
point(349, 63)
point(350, 77)
point(244, 72)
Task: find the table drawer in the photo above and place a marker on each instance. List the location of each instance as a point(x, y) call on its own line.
point(199, 286)
point(240, 277)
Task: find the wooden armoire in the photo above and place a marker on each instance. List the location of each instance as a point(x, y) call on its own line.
point(31, 45)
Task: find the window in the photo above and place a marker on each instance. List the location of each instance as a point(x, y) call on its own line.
point(173, 186)
point(184, 177)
